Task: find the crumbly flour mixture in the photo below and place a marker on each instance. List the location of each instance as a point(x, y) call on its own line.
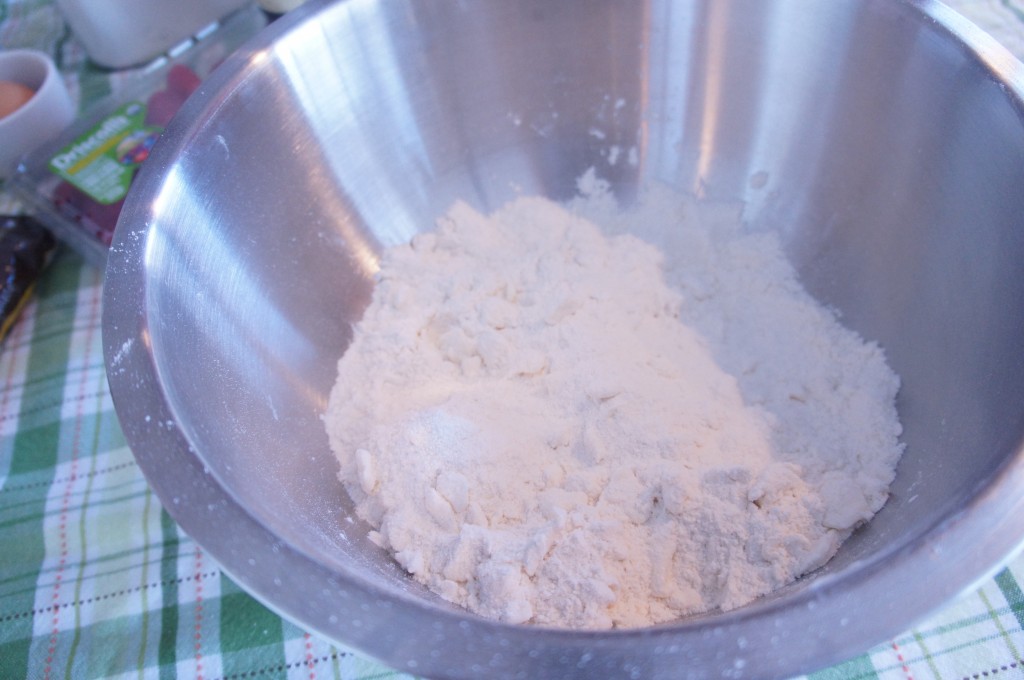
point(544, 430)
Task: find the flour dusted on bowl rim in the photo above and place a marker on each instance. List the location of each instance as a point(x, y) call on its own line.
point(543, 430)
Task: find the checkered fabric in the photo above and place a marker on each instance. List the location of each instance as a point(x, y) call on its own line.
point(96, 580)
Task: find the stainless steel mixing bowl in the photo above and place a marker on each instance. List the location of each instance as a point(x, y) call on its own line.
point(883, 139)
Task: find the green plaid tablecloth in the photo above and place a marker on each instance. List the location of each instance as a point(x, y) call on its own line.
point(97, 581)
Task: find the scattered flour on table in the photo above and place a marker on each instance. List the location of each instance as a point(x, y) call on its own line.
point(544, 430)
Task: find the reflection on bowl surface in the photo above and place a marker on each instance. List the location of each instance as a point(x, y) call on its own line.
point(883, 141)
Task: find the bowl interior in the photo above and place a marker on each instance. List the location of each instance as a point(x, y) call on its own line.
point(886, 154)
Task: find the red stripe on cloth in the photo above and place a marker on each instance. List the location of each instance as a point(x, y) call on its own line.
point(903, 663)
point(69, 484)
point(310, 661)
point(199, 613)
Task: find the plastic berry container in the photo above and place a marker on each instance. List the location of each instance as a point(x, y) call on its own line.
point(76, 185)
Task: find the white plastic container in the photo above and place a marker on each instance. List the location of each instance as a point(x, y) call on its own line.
point(120, 33)
point(279, 6)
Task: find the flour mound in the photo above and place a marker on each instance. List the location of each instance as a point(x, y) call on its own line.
point(544, 431)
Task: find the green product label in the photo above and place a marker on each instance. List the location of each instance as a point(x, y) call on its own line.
point(103, 161)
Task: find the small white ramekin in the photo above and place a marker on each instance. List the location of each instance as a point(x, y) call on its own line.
point(42, 117)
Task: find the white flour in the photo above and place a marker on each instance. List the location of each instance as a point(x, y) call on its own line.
point(543, 430)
